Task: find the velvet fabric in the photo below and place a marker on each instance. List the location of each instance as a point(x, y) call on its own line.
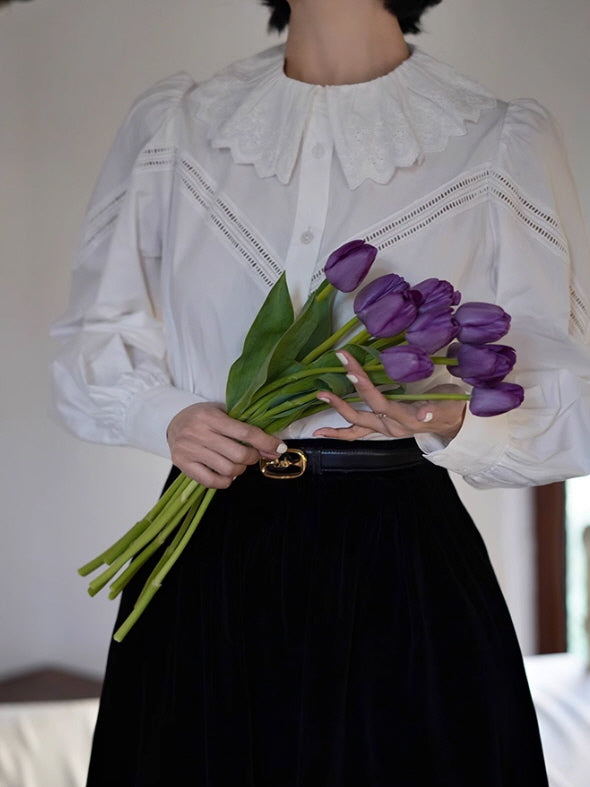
point(343, 630)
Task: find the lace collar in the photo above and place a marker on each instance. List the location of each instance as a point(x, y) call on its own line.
point(260, 114)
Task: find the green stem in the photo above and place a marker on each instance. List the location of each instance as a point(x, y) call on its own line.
point(110, 554)
point(125, 577)
point(443, 360)
point(267, 393)
point(174, 511)
point(360, 337)
point(390, 341)
point(324, 291)
point(423, 397)
point(330, 341)
point(149, 592)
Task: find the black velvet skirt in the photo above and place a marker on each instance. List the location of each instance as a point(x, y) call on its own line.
point(344, 630)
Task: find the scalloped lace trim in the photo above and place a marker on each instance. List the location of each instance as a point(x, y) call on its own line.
point(260, 114)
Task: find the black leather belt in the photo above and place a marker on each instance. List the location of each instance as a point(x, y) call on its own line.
point(330, 456)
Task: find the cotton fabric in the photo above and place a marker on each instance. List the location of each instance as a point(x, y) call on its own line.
point(211, 191)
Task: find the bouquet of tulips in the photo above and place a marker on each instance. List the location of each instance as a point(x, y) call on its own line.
point(286, 360)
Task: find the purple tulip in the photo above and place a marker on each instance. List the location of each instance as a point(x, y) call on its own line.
point(481, 322)
point(438, 294)
point(389, 315)
point(347, 266)
point(432, 330)
point(387, 306)
point(376, 289)
point(481, 364)
point(404, 364)
point(495, 399)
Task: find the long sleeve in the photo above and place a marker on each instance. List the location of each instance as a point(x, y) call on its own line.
point(111, 378)
point(542, 270)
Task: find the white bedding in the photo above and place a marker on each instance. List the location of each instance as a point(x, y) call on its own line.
point(48, 744)
point(560, 685)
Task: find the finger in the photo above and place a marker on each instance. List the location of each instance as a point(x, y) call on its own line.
point(364, 418)
point(343, 433)
point(365, 388)
point(236, 452)
point(207, 477)
point(192, 460)
point(252, 435)
point(425, 412)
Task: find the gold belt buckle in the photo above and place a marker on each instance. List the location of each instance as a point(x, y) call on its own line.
point(291, 464)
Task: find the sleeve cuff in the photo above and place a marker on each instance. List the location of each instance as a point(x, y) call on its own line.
point(150, 413)
point(478, 446)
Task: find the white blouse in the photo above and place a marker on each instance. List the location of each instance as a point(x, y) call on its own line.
point(210, 191)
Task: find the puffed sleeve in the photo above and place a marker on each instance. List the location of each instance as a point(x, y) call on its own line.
point(111, 379)
point(542, 264)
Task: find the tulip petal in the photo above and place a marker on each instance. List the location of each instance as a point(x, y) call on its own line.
point(495, 399)
point(481, 322)
point(405, 363)
point(348, 265)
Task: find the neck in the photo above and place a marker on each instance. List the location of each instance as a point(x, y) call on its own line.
point(339, 42)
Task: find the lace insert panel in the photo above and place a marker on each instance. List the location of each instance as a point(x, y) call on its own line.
point(231, 227)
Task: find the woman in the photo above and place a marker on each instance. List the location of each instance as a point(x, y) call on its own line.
point(346, 627)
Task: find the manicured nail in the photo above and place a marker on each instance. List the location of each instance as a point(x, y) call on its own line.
point(428, 417)
point(342, 358)
point(281, 448)
point(324, 399)
point(353, 378)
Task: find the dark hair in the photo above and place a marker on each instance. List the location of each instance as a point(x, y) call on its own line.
point(407, 12)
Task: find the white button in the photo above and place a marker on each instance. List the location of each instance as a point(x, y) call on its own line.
point(306, 237)
point(318, 150)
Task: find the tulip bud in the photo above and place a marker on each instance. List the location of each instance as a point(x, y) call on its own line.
point(348, 265)
point(404, 363)
point(390, 315)
point(495, 399)
point(432, 330)
point(376, 289)
point(481, 364)
point(438, 294)
point(481, 322)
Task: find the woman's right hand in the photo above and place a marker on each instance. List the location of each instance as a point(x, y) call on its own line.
point(209, 446)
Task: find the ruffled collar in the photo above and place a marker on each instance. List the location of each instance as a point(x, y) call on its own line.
point(260, 114)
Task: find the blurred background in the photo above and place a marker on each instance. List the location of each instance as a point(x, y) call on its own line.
point(69, 70)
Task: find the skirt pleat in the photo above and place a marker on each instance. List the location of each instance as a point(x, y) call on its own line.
point(338, 630)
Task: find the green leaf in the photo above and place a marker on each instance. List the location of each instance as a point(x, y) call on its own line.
point(372, 353)
point(310, 328)
point(338, 384)
point(381, 378)
point(249, 371)
point(360, 353)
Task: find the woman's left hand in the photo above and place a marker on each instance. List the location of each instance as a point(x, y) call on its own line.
point(391, 418)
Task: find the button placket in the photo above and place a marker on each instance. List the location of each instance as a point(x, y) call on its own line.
point(312, 204)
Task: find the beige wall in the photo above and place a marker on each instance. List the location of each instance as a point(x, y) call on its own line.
point(68, 71)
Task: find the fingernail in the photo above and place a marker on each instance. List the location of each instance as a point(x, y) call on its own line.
point(428, 417)
point(281, 448)
point(353, 378)
point(324, 399)
point(342, 358)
